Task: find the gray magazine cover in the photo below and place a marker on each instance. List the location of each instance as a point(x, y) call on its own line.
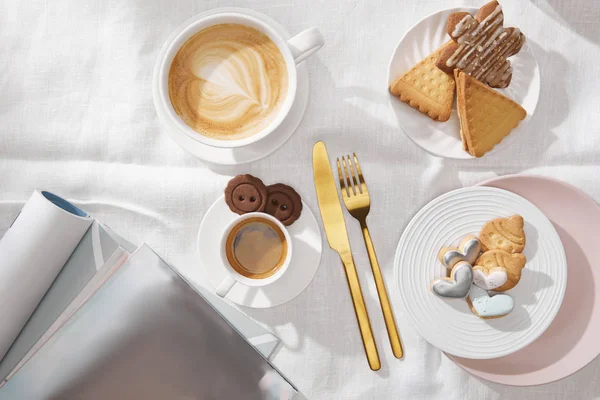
point(147, 334)
point(264, 341)
point(98, 247)
point(95, 248)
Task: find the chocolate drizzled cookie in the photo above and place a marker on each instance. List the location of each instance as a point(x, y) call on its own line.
point(481, 45)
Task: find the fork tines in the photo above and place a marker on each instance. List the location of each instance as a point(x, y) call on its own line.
point(352, 188)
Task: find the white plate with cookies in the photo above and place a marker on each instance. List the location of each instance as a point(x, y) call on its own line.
point(452, 324)
point(437, 128)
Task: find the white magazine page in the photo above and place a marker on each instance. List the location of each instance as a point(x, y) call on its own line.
point(32, 253)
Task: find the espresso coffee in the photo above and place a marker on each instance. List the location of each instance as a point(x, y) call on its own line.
point(256, 248)
point(228, 81)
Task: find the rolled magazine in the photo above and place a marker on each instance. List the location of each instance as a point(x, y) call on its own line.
point(32, 253)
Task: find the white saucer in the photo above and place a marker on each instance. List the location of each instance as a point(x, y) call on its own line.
point(307, 247)
point(449, 324)
point(255, 151)
point(443, 138)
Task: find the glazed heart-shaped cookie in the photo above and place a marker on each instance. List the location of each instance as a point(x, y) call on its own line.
point(468, 250)
point(458, 285)
point(504, 234)
point(487, 307)
point(489, 278)
point(513, 263)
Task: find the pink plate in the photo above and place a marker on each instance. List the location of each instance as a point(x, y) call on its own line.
point(571, 341)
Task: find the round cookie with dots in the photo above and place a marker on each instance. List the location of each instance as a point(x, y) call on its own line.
point(284, 203)
point(246, 194)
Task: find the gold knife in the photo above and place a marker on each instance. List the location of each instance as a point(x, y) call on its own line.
point(337, 236)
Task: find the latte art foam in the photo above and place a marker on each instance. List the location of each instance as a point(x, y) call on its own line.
point(228, 81)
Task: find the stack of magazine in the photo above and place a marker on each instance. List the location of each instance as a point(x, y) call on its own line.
point(87, 315)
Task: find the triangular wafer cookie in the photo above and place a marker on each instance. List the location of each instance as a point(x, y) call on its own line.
point(427, 88)
point(486, 116)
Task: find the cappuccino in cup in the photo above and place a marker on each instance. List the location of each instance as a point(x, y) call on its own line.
point(228, 81)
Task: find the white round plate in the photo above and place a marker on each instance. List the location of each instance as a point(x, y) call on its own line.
point(443, 138)
point(306, 256)
point(449, 324)
point(255, 151)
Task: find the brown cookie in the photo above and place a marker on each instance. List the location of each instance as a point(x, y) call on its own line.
point(426, 88)
point(246, 194)
point(284, 203)
point(504, 234)
point(482, 45)
point(513, 263)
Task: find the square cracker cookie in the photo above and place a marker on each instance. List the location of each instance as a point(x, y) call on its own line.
point(427, 88)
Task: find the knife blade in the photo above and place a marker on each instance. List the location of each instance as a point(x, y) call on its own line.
point(329, 202)
point(337, 237)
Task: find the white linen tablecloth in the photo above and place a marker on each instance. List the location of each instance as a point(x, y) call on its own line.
point(77, 119)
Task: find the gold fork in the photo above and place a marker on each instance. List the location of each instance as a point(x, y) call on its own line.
point(357, 201)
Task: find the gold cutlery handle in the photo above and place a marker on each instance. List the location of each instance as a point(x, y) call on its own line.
point(361, 312)
point(386, 307)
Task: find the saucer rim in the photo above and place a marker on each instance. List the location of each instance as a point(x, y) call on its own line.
point(221, 200)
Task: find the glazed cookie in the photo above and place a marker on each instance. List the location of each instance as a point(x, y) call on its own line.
point(459, 283)
point(489, 278)
point(504, 234)
point(468, 250)
point(481, 45)
point(246, 194)
point(513, 263)
point(488, 307)
point(284, 203)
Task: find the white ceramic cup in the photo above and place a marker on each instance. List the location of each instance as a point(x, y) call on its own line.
point(232, 275)
point(294, 51)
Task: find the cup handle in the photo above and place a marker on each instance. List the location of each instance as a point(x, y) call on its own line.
point(305, 44)
point(225, 286)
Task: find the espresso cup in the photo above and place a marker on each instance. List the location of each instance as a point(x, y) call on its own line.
point(293, 52)
point(256, 250)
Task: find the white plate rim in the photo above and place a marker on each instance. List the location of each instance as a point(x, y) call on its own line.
point(466, 156)
point(592, 201)
point(552, 232)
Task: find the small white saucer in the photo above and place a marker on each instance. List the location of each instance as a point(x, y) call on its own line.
point(306, 256)
point(260, 149)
